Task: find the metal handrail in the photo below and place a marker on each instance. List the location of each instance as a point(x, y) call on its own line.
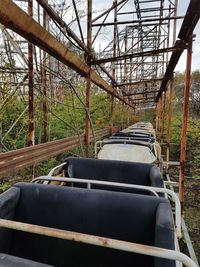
point(80, 180)
point(99, 241)
point(142, 187)
point(55, 168)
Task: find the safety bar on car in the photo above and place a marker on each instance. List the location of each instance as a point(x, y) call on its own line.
point(51, 173)
point(79, 180)
point(125, 141)
point(99, 241)
point(123, 185)
point(97, 147)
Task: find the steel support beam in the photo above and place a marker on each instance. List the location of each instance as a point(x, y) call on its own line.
point(136, 21)
point(140, 54)
point(143, 98)
point(30, 85)
point(169, 118)
point(115, 5)
point(138, 82)
point(141, 93)
point(156, 118)
point(112, 115)
point(184, 124)
point(16, 19)
point(52, 14)
point(191, 18)
point(163, 117)
point(44, 85)
point(88, 78)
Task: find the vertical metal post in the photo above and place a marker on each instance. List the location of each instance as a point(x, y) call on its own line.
point(44, 85)
point(167, 39)
point(171, 86)
point(163, 117)
point(88, 79)
point(122, 116)
point(160, 116)
point(113, 67)
point(175, 21)
point(30, 84)
point(157, 115)
point(156, 119)
point(169, 117)
point(184, 123)
point(125, 69)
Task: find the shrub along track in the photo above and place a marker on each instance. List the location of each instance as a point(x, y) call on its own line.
point(192, 212)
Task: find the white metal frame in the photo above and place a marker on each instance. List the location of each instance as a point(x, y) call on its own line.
point(99, 241)
point(51, 173)
point(97, 147)
point(123, 185)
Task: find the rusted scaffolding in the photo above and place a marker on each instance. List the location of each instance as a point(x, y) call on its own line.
point(134, 65)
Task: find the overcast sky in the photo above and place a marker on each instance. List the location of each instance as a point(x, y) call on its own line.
point(182, 7)
point(106, 34)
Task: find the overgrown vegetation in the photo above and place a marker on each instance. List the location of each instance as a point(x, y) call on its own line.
point(193, 133)
point(65, 116)
point(192, 186)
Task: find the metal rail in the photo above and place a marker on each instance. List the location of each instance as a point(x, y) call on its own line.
point(123, 185)
point(13, 161)
point(17, 20)
point(98, 241)
point(186, 235)
point(80, 180)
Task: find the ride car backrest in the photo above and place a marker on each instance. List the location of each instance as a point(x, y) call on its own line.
point(121, 216)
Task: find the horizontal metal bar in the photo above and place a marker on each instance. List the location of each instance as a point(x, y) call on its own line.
point(136, 21)
point(98, 241)
point(25, 157)
point(51, 173)
point(191, 19)
point(139, 54)
point(155, 189)
point(140, 93)
point(115, 4)
point(139, 82)
point(188, 241)
point(80, 180)
point(50, 11)
point(13, 17)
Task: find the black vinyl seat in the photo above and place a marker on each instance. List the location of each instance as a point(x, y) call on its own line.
point(12, 261)
point(123, 216)
point(135, 136)
point(114, 171)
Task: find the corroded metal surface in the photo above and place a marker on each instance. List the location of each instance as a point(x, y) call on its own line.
point(16, 19)
point(99, 241)
point(13, 161)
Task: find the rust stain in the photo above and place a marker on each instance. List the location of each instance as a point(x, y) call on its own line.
point(104, 241)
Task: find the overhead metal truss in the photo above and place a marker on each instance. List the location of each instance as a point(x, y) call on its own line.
point(144, 37)
point(130, 50)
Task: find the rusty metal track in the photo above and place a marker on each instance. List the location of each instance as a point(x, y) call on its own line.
point(13, 161)
point(17, 20)
point(189, 24)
